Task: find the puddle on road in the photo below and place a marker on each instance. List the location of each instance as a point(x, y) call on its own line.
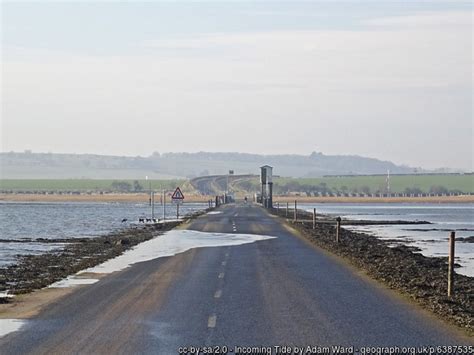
point(74, 280)
point(10, 325)
point(170, 243)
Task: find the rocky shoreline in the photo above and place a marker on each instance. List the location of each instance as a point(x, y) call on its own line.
point(424, 279)
point(33, 272)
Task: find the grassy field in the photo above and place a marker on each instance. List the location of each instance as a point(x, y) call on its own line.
point(374, 184)
point(398, 184)
point(83, 185)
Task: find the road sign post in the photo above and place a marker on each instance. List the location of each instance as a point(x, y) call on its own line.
point(177, 198)
point(177, 195)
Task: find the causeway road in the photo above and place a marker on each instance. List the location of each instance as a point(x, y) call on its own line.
point(274, 292)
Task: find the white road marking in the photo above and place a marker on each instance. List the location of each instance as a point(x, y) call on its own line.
point(224, 263)
point(211, 322)
point(221, 275)
point(218, 294)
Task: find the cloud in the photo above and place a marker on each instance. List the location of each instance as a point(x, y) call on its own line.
point(395, 90)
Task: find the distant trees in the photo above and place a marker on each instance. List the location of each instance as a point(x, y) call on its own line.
point(323, 188)
point(413, 191)
point(438, 189)
point(121, 186)
point(137, 186)
point(365, 189)
point(294, 186)
point(358, 186)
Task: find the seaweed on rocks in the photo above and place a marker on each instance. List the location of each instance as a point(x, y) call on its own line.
point(37, 271)
point(32, 272)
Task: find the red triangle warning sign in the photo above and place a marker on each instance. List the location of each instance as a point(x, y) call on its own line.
point(177, 194)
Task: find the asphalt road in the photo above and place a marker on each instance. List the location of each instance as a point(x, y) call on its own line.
point(274, 292)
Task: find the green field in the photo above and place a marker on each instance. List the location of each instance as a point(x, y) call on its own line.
point(346, 184)
point(84, 185)
point(441, 183)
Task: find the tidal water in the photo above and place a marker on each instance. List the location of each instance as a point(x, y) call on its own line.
point(432, 239)
point(26, 222)
point(22, 221)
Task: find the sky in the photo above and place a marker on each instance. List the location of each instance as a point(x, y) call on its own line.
point(385, 79)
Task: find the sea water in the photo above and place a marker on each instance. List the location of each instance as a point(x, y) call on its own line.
point(432, 238)
point(26, 222)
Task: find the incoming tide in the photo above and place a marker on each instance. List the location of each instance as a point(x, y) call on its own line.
point(25, 222)
point(432, 239)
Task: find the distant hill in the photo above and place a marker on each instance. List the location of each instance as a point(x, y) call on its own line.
point(30, 165)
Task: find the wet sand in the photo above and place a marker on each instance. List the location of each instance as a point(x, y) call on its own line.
point(28, 305)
